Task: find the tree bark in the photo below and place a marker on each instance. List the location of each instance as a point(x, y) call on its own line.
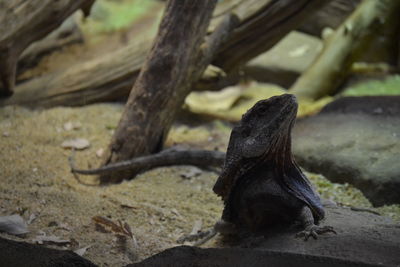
point(177, 60)
point(343, 47)
point(110, 77)
point(23, 22)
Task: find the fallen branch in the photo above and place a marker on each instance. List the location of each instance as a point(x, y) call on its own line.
point(168, 157)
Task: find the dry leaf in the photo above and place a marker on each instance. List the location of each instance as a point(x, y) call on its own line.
point(13, 224)
point(77, 143)
point(124, 237)
point(32, 217)
point(114, 227)
point(213, 101)
point(231, 105)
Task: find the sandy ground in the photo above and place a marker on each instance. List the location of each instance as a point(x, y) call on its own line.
point(159, 206)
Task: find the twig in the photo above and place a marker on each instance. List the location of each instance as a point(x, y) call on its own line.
point(359, 209)
point(365, 209)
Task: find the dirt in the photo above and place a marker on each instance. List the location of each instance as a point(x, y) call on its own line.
point(159, 206)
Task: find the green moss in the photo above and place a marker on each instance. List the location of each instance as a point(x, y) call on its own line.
point(348, 195)
point(392, 211)
point(344, 194)
point(110, 16)
point(389, 86)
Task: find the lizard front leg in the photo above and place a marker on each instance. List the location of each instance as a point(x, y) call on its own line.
point(310, 228)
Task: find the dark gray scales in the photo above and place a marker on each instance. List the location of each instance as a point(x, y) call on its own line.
point(259, 201)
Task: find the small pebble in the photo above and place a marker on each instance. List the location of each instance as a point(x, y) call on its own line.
point(100, 152)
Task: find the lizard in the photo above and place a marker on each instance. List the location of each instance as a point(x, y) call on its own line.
point(260, 183)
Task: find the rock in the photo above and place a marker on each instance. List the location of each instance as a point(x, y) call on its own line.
point(186, 256)
point(355, 140)
point(286, 60)
point(363, 239)
point(13, 253)
point(77, 143)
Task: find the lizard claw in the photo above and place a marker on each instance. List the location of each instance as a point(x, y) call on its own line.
point(314, 230)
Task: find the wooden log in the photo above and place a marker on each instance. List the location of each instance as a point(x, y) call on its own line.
point(22, 23)
point(343, 47)
point(111, 76)
point(177, 59)
point(68, 33)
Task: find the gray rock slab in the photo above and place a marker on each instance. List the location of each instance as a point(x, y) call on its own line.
point(363, 239)
point(355, 140)
point(185, 256)
point(283, 63)
point(13, 253)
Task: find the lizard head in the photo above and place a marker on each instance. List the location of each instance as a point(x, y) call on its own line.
point(265, 122)
point(254, 136)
